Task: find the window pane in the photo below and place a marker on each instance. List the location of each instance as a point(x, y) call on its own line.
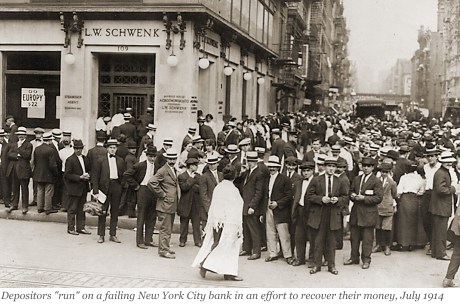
point(270, 28)
point(236, 11)
point(260, 21)
point(42, 61)
point(253, 19)
point(265, 38)
point(245, 15)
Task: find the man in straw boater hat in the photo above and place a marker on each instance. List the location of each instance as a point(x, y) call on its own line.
point(150, 134)
point(366, 194)
point(77, 184)
point(441, 205)
point(166, 187)
point(328, 195)
point(188, 137)
point(19, 170)
point(231, 157)
point(137, 178)
point(106, 178)
point(160, 159)
point(208, 182)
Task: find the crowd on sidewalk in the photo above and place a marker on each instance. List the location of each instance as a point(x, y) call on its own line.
point(384, 185)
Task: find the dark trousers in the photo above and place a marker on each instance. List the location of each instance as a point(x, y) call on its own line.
point(251, 234)
point(325, 240)
point(146, 215)
point(426, 215)
point(383, 237)
point(196, 228)
point(439, 236)
point(6, 188)
point(301, 235)
point(20, 185)
point(455, 259)
point(365, 237)
point(75, 212)
point(112, 200)
point(58, 188)
point(65, 197)
point(165, 224)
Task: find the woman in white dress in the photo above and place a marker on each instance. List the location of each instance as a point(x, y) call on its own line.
point(224, 230)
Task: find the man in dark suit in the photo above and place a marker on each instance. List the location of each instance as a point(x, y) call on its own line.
point(160, 159)
point(106, 178)
point(166, 187)
point(6, 185)
point(278, 144)
point(19, 170)
point(77, 184)
point(252, 182)
point(9, 122)
point(144, 120)
point(327, 195)
point(233, 135)
point(366, 194)
point(441, 205)
point(300, 212)
point(208, 181)
point(147, 137)
point(310, 155)
point(231, 157)
point(205, 131)
point(96, 152)
point(138, 177)
point(188, 137)
point(278, 213)
point(45, 174)
point(128, 128)
point(189, 203)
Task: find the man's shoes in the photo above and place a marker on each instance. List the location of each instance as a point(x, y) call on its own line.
point(11, 209)
point(311, 265)
point(114, 239)
point(450, 246)
point(132, 216)
point(428, 252)
point(228, 277)
point(397, 247)
point(168, 255)
point(446, 283)
point(297, 263)
point(325, 263)
point(152, 244)
point(387, 251)
point(350, 262)
point(377, 249)
point(101, 239)
point(244, 253)
point(72, 232)
point(40, 210)
point(290, 260)
point(333, 271)
point(24, 211)
point(366, 265)
point(83, 231)
point(444, 258)
point(181, 244)
point(171, 251)
point(263, 248)
point(271, 258)
point(50, 212)
point(254, 257)
point(315, 270)
point(203, 272)
point(33, 203)
point(198, 245)
point(142, 246)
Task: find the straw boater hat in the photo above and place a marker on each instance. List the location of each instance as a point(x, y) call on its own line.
point(171, 153)
point(245, 141)
point(47, 136)
point(319, 159)
point(39, 130)
point(109, 142)
point(192, 130)
point(273, 161)
point(22, 131)
point(446, 157)
point(151, 127)
point(252, 156)
point(168, 141)
point(232, 149)
point(330, 161)
point(212, 159)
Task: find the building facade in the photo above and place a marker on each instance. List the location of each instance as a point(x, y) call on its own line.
point(66, 63)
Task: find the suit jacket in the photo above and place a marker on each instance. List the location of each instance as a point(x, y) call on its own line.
point(165, 185)
point(19, 160)
point(74, 185)
point(206, 132)
point(4, 157)
point(278, 148)
point(13, 137)
point(441, 197)
point(364, 213)
point(385, 208)
point(45, 164)
point(129, 130)
point(309, 156)
point(233, 138)
point(315, 193)
point(207, 185)
point(253, 187)
point(289, 151)
point(297, 190)
point(94, 154)
point(190, 194)
point(160, 160)
point(100, 175)
point(282, 193)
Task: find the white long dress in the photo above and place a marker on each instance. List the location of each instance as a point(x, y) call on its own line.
point(226, 212)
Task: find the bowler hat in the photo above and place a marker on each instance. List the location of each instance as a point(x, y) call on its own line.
point(307, 165)
point(77, 144)
point(368, 161)
point(151, 150)
point(192, 161)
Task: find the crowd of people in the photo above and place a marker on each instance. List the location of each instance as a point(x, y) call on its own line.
point(276, 184)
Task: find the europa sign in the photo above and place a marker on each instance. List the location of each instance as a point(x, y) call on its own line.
point(32, 97)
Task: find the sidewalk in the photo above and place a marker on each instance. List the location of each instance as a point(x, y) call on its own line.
point(124, 222)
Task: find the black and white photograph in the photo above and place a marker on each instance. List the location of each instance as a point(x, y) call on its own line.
point(229, 150)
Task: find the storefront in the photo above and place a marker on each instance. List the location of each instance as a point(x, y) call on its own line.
point(53, 83)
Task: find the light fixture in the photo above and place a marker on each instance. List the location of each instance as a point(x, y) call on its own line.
point(261, 80)
point(69, 58)
point(228, 70)
point(203, 63)
point(71, 24)
point(172, 60)
point(247, 76)
point(174, 29)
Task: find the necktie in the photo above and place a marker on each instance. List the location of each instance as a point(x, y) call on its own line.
point(361, 185)
point(216, 177)
point(329, 186)
point(112, 156)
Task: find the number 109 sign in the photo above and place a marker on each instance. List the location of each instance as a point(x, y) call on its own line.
point(32, 98)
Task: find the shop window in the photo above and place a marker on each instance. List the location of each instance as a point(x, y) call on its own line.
point(32, 70)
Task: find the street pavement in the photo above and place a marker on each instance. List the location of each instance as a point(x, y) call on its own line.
point(42, 254)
